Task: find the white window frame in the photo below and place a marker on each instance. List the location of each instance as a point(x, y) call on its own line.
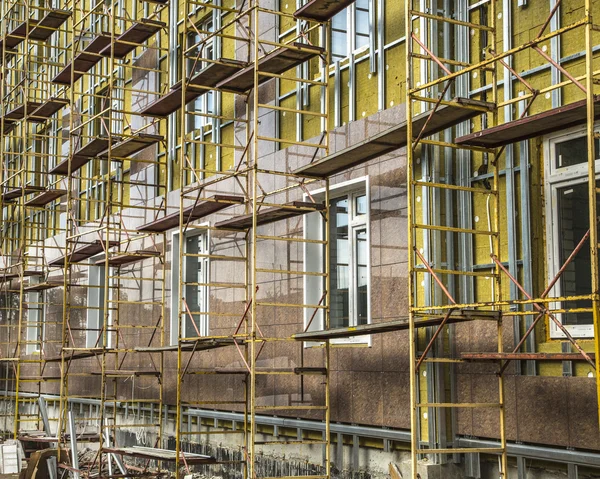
point(35, 319)
point(95, 302)
point(145, 89)
point(314, 256)
point(558, 178)
point(205, 104)
point(351, 33)
point(176, 303)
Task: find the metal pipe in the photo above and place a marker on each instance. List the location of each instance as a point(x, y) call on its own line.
point(567, 456)
point(531, 451)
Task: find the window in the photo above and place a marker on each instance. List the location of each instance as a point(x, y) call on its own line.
point(192, 304)
point(145, 80)
point(350, 30)
point(101, 112)
point(95, 191)
point(568, 221)
point(204, 104)
point(349, 266)
point(38, 156)
point(96, 305)
point(35, 319)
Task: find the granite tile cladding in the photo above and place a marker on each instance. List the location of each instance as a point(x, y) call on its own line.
point(370, 382)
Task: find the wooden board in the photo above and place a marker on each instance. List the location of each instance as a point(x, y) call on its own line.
point(9, 125)
point(42, 286)
point(156, 454)
point(123, 373)
point(393, 138)
point(48, 24)
point(122, 259)
point(322, 10)
point(133, 144)
point(202, 344)
point(83, 155)
point(276, 62)
point(169, 103)
point(83, 61)
point(18, 112)
point(15, 36)
point(38, 29)
point(191, 213)
point(31, 436)
point(549, 121)
point(133, 37)
point(63, 167)
point(208, 77)
point(72, 355)
point(271, 214)
point(458, 316)
point(9, 275)
point(84, 252)
point(17, 192)
point(45, 197)
point(215, 73)
point(525, 356)
point(48, 108)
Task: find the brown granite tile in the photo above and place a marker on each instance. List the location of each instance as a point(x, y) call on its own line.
point(582, 412)
point(344, 397)
point(367, 408)
point(395, 352)
point(369, 359)
point(464, 417)
point(541, 406)
point(396, 399)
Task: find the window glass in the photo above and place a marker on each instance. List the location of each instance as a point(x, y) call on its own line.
point(568, 214)
point(341, 28)
point(195, 278)
point(349, 254)
point(362, 24)
point(362, 299)
point(95, 307)
point(361, 205)
point(339, 36)
point(35, 310)
point(339, 270)
point(573, 152)
point(202, 51)
point(573, 221)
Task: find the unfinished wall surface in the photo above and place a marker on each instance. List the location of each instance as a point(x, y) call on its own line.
point(547, 404)
point(369, 382)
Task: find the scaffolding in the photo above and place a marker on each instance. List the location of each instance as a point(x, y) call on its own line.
point(28, 198)
point(113, 273)
point(214, 87)
point(105, 244)
point(435, 75)
point(263, 192)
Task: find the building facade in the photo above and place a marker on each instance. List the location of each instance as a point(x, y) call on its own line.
point(305, 239)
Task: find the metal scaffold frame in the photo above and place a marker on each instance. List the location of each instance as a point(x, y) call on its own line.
point(238, 80)
point(110, 188)
point(28, 201)
point(117, 238)
point(433, 78)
